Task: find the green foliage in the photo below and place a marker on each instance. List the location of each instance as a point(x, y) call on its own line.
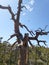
point(38, 55)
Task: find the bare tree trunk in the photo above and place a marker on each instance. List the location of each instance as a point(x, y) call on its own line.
point(23, 56)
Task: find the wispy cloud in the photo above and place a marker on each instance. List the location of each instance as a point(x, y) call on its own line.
point(32, 2)
point(29, 5)
point(29, 8)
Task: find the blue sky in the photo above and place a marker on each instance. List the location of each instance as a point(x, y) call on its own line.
point(36, 15)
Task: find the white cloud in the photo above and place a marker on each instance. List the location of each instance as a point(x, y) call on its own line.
point(32, 2)
point(29, 5)
point(29, 8)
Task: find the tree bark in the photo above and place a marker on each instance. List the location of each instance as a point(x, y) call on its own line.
point(23, 56)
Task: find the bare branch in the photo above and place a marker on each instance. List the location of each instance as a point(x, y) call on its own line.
point(32, 38)
point(40, 29)
point(45, 27)
point(9, 9)
point(41, 33)
point(12, 36)
point(31, 44)
point(42, 41)
point(13, 45)
point(37, 35)
point(31, 32)
point(38, 41)
point(27, 29)
point(16, 34)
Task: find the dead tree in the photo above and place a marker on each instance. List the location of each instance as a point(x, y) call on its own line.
point(23, 60)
